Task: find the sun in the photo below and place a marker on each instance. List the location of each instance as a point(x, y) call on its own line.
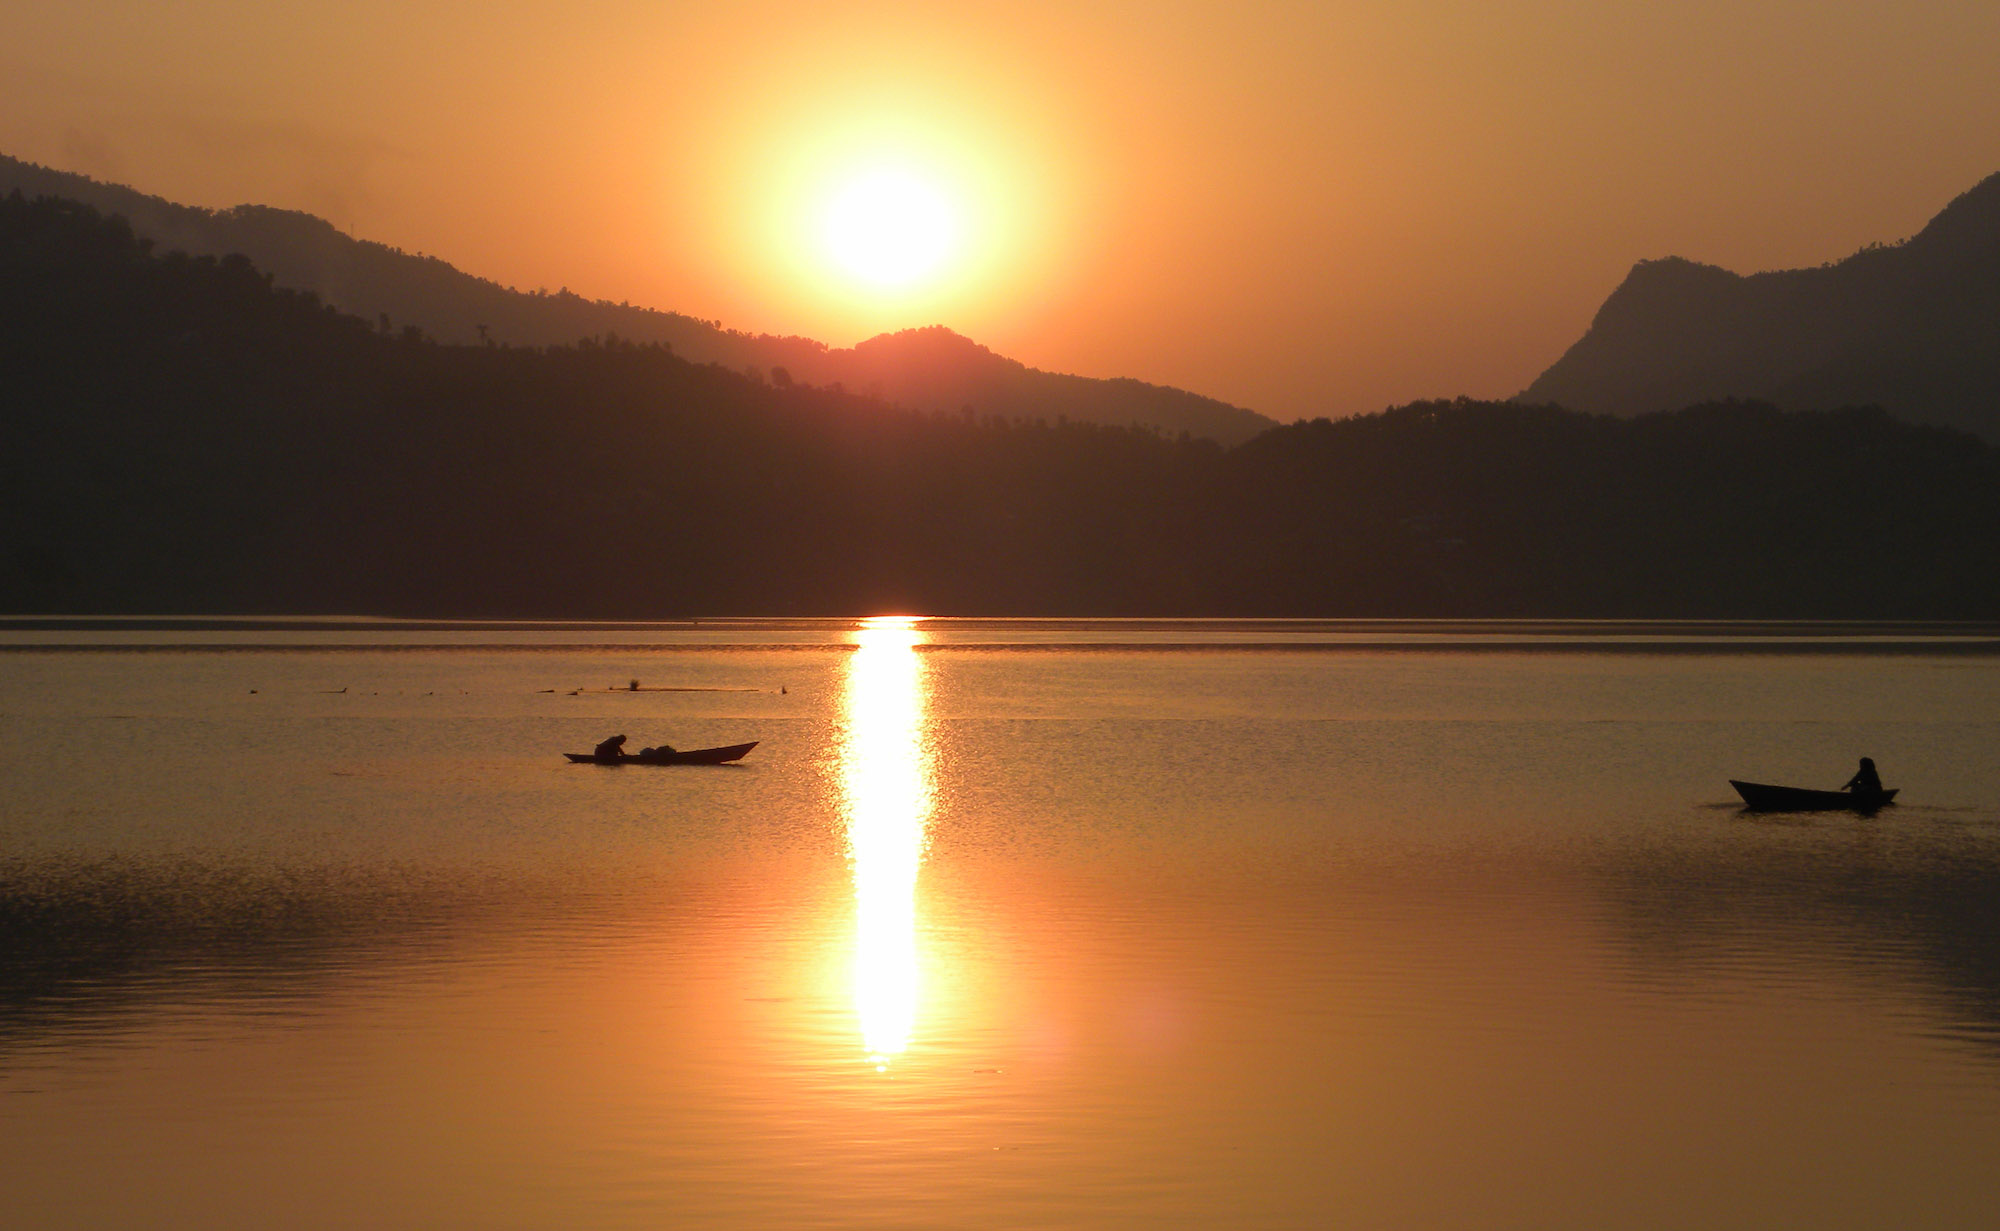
point(856, 221)
point(891, 228)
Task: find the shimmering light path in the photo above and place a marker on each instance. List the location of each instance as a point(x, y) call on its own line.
point(1259, 926)
point(886, 798)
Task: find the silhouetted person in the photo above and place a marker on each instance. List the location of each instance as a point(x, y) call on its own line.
point(1865, 780)
point(612, 749)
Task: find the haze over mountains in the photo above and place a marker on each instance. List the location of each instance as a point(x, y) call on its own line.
point(1912, 327)
point(180, 435)
point(924, 369)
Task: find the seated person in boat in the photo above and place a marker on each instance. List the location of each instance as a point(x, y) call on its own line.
point(1865, 780)
point(612, 749)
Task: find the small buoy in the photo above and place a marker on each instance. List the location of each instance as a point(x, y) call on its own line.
point(253, 692)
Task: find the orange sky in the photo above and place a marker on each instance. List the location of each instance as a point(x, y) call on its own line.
point(1301, 208)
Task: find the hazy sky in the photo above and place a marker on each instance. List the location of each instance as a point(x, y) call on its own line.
point(1301, 208)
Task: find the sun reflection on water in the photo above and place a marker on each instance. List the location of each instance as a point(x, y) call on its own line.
point(886, 794)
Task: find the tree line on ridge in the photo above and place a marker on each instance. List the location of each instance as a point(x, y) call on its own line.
point(181, 435)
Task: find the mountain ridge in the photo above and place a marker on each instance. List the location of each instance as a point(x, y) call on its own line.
point(1913, 327)
point(399, 289)
point(182, 435)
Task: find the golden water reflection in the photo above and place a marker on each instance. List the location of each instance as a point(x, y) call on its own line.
point(886, 795)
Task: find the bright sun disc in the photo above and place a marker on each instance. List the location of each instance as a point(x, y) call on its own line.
point(890, 228)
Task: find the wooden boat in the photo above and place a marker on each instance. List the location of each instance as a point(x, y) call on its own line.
point(690, 756)
point(1758, 797)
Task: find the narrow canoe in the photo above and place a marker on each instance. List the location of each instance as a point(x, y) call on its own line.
point(1759, 797)
point(691, 756)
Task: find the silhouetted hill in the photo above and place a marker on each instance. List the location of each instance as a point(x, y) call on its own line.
point(180, 434)
point(935, 367)
point(373, 280)
point(1913, 327)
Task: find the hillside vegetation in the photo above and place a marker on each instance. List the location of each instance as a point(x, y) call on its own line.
point(180, 434)
point(924, 369)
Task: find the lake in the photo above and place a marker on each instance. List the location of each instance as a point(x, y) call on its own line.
point(1003, 924)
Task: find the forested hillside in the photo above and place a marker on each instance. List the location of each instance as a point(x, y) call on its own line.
point(925, 369)
point(178, 434)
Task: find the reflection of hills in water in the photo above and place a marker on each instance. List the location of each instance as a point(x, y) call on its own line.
point(85, 942)
point(1884, 898)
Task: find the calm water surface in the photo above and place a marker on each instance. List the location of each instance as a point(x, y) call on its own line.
point(306, 924)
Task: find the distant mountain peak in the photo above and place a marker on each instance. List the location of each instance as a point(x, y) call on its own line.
point(1913, 327)
point(931, 368)
point(928, 341)
point(1679, 270)
point(1665, 284)
point(1970, 223)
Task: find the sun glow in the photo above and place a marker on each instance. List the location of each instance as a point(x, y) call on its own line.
point(886, 790)
point(890, 227)
point(837, 209)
